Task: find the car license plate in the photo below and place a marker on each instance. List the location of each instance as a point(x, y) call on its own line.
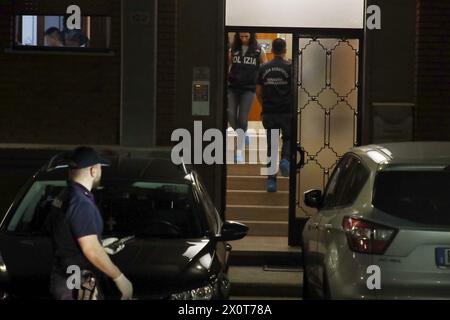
point(443, 257)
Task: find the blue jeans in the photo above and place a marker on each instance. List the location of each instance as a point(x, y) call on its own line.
point(239, 105)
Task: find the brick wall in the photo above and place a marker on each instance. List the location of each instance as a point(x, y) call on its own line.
point(433, 70)
point(75, 99)
point(166, 77)
point(51, 99)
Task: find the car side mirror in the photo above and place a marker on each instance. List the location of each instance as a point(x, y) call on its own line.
point(232, 230)
point(313, 198)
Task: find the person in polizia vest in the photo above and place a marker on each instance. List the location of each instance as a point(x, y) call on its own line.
point(244, 59)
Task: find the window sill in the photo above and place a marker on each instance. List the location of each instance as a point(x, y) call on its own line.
point(60, 52)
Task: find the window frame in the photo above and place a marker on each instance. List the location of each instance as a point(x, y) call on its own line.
point(15, 48)
point(359, 163)
point(211, 214)
point(333, 176)
point(346, 158)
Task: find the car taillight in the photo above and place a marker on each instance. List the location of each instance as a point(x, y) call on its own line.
point(367, 237)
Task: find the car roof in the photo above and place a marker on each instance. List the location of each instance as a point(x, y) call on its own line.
point(380, 156)
point(128, 168)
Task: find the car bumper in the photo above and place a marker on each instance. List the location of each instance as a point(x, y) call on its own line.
point(351, 279)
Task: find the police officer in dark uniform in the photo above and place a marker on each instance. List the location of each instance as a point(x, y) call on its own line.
point(244, 59)
point(274, 93)
point(76, 228)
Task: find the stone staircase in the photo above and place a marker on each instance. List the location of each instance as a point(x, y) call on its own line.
point(262, 265)
point(266, 214)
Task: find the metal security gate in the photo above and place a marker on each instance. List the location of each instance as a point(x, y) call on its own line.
point(327, 124)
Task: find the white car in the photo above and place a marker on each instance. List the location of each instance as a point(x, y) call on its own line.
point(382, 230)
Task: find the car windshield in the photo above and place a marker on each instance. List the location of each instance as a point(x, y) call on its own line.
point(138, 208)
point(420, 196)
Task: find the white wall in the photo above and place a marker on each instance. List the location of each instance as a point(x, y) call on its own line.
point(296, 13)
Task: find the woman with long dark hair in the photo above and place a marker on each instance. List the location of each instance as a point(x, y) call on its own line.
point(244, 58)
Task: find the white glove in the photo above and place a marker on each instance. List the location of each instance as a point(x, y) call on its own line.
point(125, 287)
point(106, 242)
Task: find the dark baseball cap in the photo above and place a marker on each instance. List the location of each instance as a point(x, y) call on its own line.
point(84, 157)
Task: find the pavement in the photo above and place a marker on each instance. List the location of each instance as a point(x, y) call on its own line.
point(263, 268)
point(261, 283)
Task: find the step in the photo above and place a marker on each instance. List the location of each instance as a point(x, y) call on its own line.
point(258, 157)
point(244, 169)
point(254, 197)
point(266, 228)
point(260, 281)
point(254, 183)
point(248, 169)
point(255, 142)
point(263, 244)
point(259, 251)
point(265, 213)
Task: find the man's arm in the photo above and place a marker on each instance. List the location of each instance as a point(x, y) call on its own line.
point(96, 254)
point(259, 93)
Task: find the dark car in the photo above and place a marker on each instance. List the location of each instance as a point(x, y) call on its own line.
point(178, 246)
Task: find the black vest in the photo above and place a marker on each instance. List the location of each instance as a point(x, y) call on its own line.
point(276, 77)
point(67, 251)
point(244, 69)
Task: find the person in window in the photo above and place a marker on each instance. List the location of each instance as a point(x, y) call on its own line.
point(54, 37)
point(76, 39)
point(244, 58)
point(274, 93)
point(76, 227)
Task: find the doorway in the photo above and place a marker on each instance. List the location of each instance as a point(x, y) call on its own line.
point(326, 44)
point(328, 68)
point(326, 106)
point(247, 199)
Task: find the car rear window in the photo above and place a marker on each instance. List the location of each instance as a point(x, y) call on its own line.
point(420, 196)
